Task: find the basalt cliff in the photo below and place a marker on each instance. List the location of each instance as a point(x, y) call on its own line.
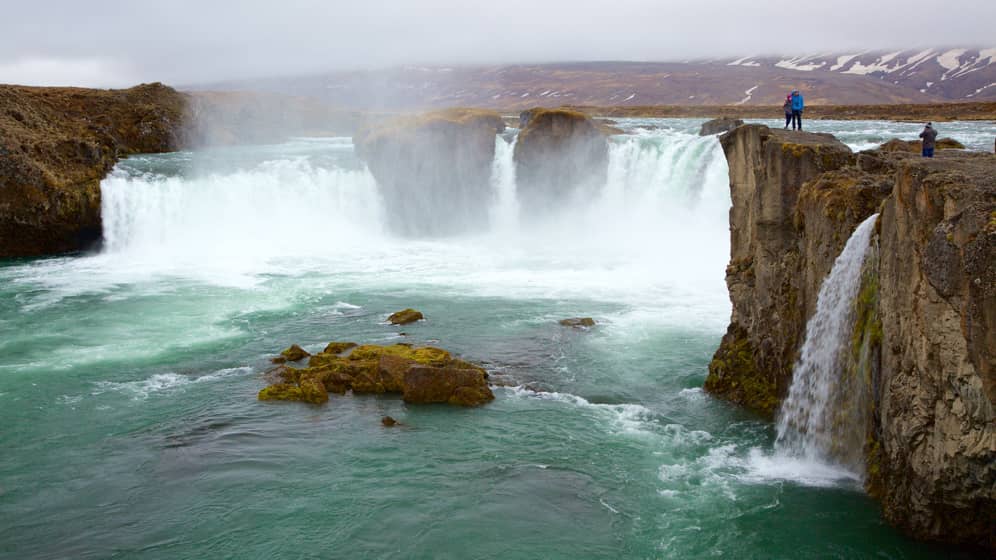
point(56, 144)
point(924, 323)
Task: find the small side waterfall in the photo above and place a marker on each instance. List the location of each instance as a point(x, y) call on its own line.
point(505, 211)
point(815, 423)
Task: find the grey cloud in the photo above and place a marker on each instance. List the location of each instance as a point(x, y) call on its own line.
point(115, 43)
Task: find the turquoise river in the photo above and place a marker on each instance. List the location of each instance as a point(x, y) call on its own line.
point(128, 375)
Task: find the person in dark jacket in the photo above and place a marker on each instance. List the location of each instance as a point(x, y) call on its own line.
point(797, 107)
point(787, 106)
point(929, 135)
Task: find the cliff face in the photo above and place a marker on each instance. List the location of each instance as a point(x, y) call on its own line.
point(56, 144)
point(433, 170)
point(753, 366)
point(559, 153)
point(938, 311)
point(923, 342)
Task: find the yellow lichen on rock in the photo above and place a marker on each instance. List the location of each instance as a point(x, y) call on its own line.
point(377, 369)
point(405, 316)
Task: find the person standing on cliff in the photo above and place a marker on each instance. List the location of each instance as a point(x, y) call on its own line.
point(787, 106)
point(797, 106)
point(928, 135)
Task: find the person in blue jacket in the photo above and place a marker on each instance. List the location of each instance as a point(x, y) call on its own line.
point(797, 106)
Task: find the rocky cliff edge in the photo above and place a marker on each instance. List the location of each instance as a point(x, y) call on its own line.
point(924, 322)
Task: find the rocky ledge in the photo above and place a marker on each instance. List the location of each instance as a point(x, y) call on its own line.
point(427, 162)
point(419, 374)
point(56, 144)
point(559, 153)
point(924, 322)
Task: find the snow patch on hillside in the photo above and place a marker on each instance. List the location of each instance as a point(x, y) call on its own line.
point(842, 61)
point(749, 93)
point(949, 60)
point(799, 63)
point(881, 64)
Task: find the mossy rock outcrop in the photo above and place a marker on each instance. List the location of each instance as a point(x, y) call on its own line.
point(294, 353)
point(57, 144)
point(405, 317)
point(578, 322)
point(560, 153)
point(375, 369)
point(734, 374)
point(434, 169)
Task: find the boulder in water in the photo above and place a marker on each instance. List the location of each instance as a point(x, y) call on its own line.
point(378, 369)
point(388, 422)
point(433, 170)
point(719, 126)
point(405, 316)
point(281, 392)
point(559, 153)
point(294, 353)
point(459, 386)
point(578, 322)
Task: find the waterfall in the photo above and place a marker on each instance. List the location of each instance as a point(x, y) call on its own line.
point(814, 423)
point(504, 214)
point(246, 212)
point(278, 207)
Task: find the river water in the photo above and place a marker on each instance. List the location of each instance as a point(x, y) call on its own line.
point(128, 376)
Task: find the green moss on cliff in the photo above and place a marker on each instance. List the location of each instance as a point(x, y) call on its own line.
point(865, 356)
point(734, 375)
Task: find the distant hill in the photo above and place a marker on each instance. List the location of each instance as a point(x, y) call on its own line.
point(915, 76)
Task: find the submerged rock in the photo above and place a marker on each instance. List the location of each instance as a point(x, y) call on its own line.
point(405, 317)
point(433, 170)
point(559, 153)
point(376, 369)
point(578, 322)
point(719, 126)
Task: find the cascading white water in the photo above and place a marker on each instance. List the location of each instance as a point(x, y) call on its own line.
point(809, 424)
point(278, 208)
point(505, 212)
point(660, 220)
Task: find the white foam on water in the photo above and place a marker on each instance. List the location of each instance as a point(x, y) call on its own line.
point(162, 382)
point(623, 418)
point(765, 467)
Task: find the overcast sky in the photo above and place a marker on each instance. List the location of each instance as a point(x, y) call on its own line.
point(103, 43)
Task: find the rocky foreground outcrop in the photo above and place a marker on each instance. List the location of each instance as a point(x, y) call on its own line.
point(559, 154)
point(56, 144)
point(420, 375)
point(433, 170)
point(924, 323)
